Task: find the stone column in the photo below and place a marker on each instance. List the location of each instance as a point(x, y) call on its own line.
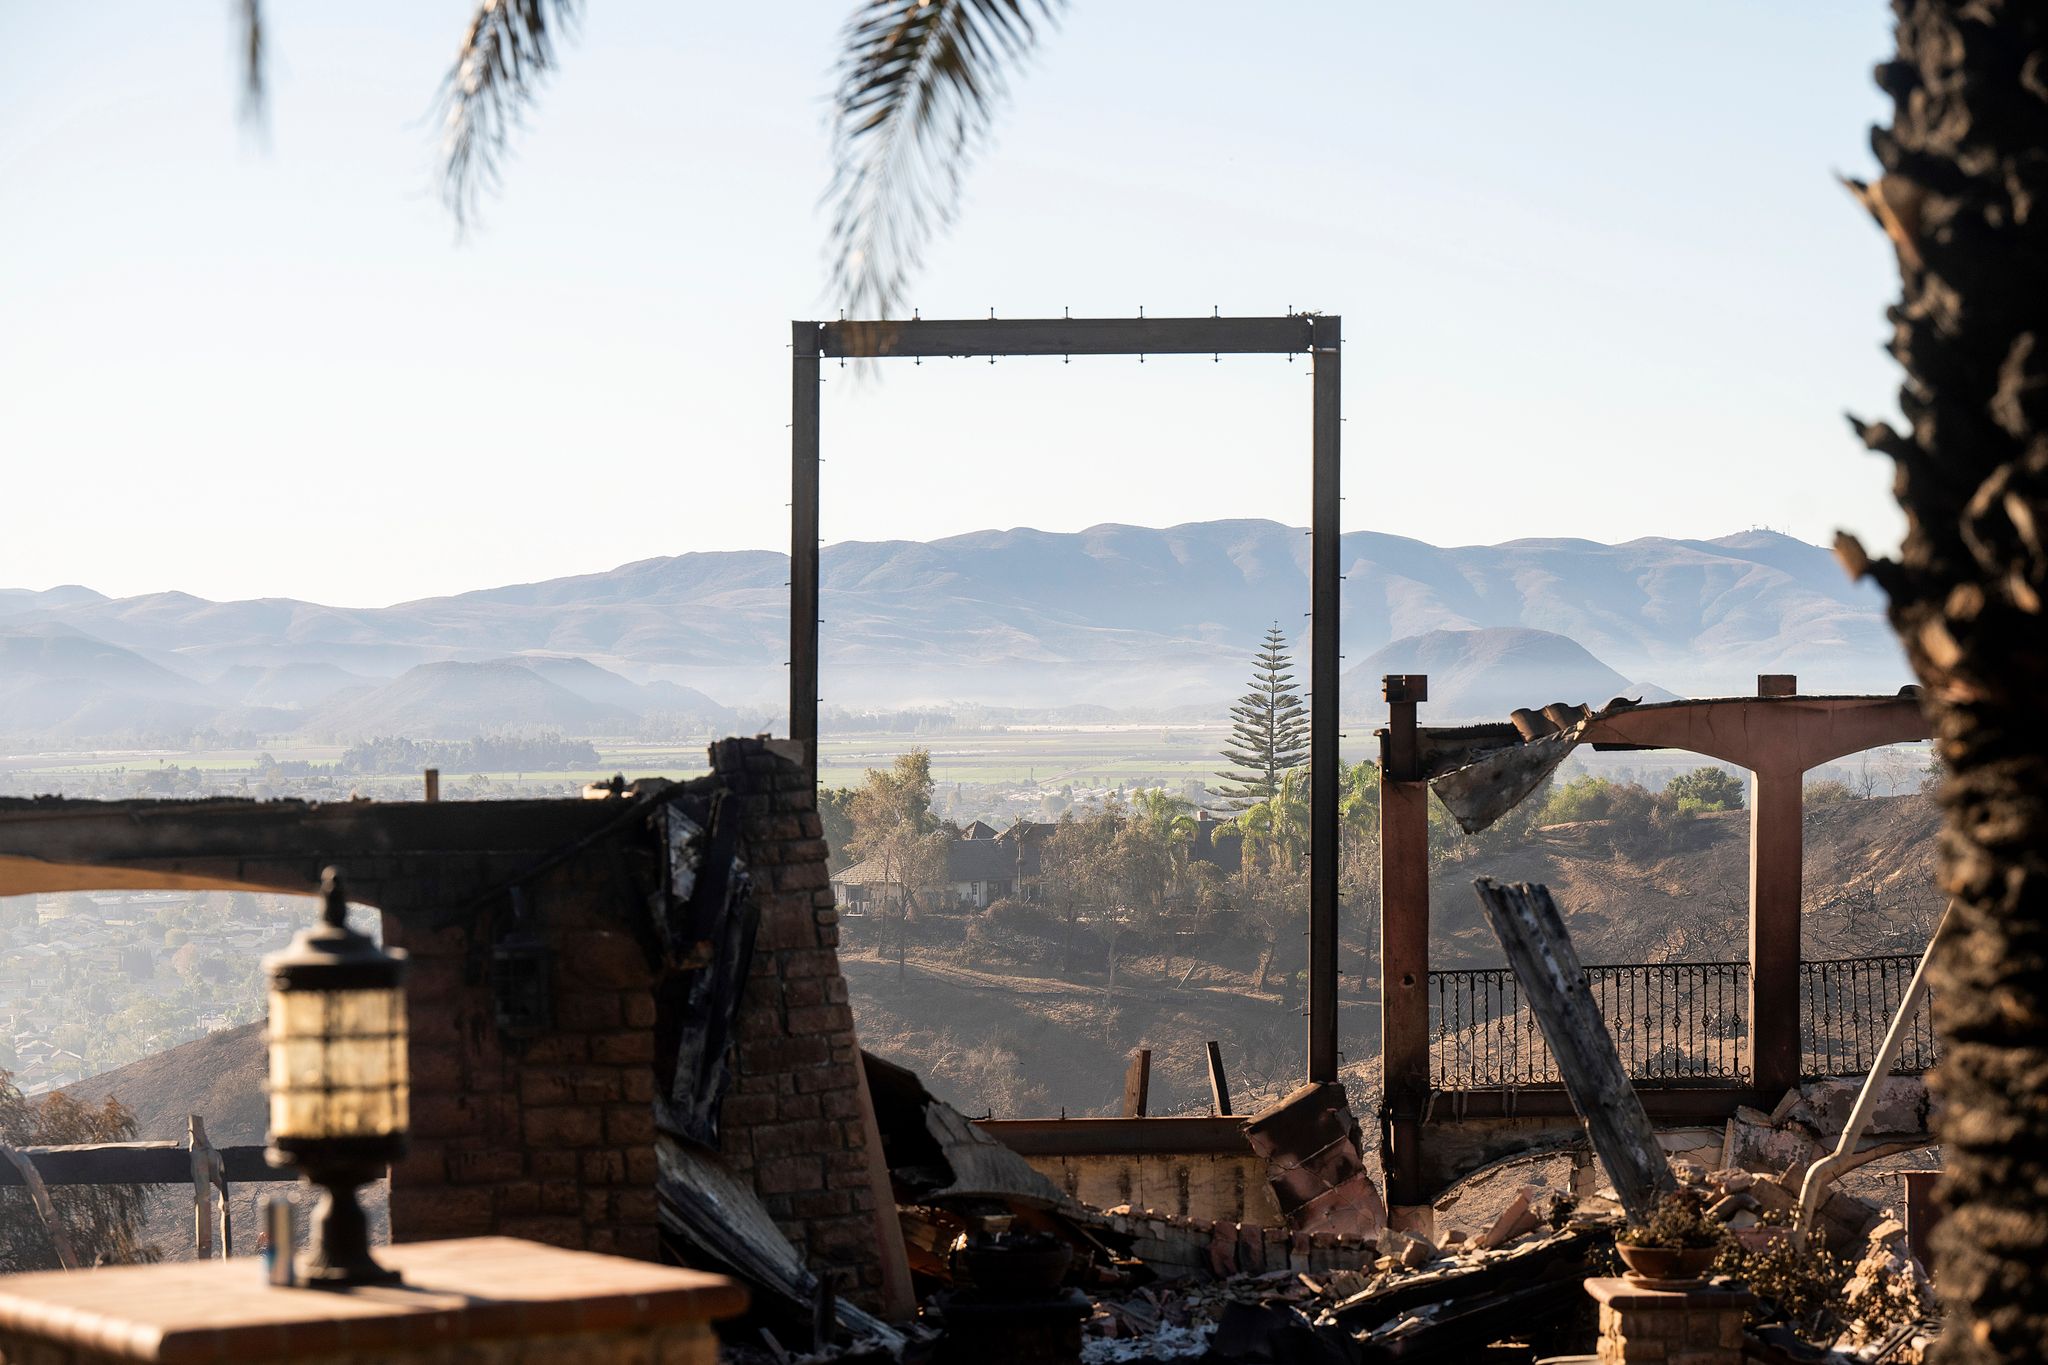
point(1669, 1326)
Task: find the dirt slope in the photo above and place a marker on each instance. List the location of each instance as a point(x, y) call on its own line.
point(1018, 1044)
point(1868, 888)
point(220, 1078)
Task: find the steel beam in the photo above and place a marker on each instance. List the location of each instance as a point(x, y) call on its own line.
point(1120, 1137)
point(1295, 333)
point(1404, 936)
point(803, 539)
point(1326, 564)
point(1319, 336)
point(1776, 848)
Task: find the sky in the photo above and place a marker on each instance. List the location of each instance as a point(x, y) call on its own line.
point(1596, 274)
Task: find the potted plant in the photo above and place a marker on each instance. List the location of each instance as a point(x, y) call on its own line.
point(1675, 1245)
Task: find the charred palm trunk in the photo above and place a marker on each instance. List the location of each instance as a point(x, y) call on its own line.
point(1964, 199)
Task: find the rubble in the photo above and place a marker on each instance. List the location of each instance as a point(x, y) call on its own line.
point(1517, 1218)
point(1408, 1297)
point(1168, 1288)
point(1499, 1257)
point(1316, 1157)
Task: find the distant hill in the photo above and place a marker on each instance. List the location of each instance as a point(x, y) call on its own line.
point(606, 688)
point(1485, 674)
point(290, 685)
point(459, 700)
point(1126, 617)
point(58, 681)
point(14, 600)
point(219, 1077)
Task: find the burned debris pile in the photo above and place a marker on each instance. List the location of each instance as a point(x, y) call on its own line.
point(1409, 1300)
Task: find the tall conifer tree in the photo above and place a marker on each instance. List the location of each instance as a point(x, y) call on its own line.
point(1268, 727)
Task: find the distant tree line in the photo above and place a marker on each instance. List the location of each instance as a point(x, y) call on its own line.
point(544, 751)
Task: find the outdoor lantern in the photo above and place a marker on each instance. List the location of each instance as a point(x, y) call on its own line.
point(338, 1088)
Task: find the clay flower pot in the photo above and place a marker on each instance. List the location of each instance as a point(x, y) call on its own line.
point(1665, 1265)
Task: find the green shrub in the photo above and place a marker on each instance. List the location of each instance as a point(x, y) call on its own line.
point(1582, 798)
point(1829, 792)
point(1679, 1223)
point(1705, 789)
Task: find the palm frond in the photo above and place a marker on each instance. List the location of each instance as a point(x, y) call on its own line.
point(505, 57)
point(918, 84)
point(249, 14)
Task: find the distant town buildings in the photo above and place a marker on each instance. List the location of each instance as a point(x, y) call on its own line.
point(93, 980)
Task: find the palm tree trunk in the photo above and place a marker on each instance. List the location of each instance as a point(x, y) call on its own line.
point(1965, 202)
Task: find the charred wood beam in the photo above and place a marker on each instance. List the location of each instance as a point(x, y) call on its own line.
point(1533, 936)
point(1138, 1083)
point(1219, 1084)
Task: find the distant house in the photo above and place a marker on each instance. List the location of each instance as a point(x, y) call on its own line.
point(1224, 848)
point(982, 866)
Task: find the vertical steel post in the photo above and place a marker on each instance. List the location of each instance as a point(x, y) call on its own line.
point(1776, 810)
point(1776, 850)
point(803, 540)
point(1326, 562)
point(1404, 936)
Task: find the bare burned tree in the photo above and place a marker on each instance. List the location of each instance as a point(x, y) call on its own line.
point(1964, 199)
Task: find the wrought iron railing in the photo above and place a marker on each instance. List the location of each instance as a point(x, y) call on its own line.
point(1669, 1021)
point(1846, 1005)
point(1672, 1021)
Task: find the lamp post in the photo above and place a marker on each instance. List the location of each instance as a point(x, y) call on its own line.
point(338, 1081)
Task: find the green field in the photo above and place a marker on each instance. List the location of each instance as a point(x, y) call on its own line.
point(1046, 757)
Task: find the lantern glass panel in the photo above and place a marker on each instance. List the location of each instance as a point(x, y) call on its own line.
point(337, 1064)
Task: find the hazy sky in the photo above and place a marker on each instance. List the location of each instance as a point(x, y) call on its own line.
point(1596, 276)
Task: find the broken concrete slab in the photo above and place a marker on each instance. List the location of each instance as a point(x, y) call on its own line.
point(1514, 1220)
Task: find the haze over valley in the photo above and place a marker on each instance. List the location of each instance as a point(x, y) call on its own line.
point(1113, 623)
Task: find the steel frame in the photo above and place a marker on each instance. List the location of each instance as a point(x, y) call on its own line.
point(1316, 336)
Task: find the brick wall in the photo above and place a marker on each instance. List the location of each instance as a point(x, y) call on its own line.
point(553, 1138)
point(793, 1119)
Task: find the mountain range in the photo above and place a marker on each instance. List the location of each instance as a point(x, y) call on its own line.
point(1136, 619)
